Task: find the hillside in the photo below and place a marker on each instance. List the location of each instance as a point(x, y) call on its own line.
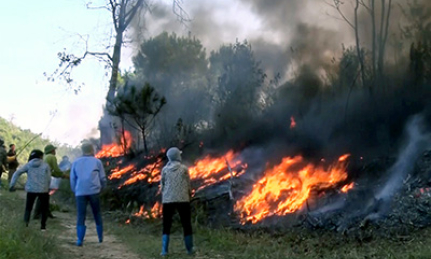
point(25, 141)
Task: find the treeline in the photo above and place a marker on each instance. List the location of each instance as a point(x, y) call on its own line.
point(25, 141)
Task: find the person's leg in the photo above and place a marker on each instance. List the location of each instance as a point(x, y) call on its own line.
point(95, 207)
point(81, 206)
point(29, 206)
point(44, 204)
point(168, 213)
point(186, 222)
point(37, 211)
point(10, 173)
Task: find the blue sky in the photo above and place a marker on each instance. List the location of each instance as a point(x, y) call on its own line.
point(34, 32)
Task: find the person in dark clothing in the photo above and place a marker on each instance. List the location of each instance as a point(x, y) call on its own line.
point(12, 161)
point(37, 186)
point(3, 159)
point(176, 193)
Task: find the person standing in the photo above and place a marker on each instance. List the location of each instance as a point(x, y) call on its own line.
point(3, 159)
point(12, 161)
point(87, 178)
point(51, 160)
point(176, 192)
point(37, 186)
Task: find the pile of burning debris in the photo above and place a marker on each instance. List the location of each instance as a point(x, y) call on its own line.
point(235, 189)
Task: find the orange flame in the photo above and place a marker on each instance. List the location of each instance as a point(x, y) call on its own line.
point(347, 187)
point(116, 150)
point(285, 187)
point(151, 173)
point(292, 122)
point(155, 212)
point(117, 173)
point(216, 169)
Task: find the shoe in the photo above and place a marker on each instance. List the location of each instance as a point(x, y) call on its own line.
point(165, 245)
point(99, 229)
point(80, 232)
point(43, 229)
point(188, 241)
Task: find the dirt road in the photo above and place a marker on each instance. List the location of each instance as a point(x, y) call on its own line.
point(92, 249)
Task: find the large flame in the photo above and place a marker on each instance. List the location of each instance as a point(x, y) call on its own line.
point(285, 187)
point(114, 149)
point(211, 170)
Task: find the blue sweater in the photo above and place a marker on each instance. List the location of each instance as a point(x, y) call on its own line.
point(38, 176)
point(87, 176)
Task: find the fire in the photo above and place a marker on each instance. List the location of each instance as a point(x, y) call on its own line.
point(216, 169)
point(292, 122)
point(285, 187)
point(151, 173)
point(347, 187)
point(116, 150)
point(118, 173)
point(155, 212)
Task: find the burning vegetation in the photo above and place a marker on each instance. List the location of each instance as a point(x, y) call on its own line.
point(264, 146)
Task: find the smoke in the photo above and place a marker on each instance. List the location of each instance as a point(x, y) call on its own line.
point(418, 142)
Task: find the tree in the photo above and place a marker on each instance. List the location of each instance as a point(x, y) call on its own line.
point(177, 68)
point(122, 13)
point(139, 103)
point(379, 39)
point(236, 78)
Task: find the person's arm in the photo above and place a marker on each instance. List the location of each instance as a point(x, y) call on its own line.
point(162, 181)
point(17, 174)
point(189, 186)
point(102, 174)
point(73, 178)
point(55, 170)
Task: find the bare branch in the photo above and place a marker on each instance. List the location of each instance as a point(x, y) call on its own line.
point(131, 13)
point(181, 14)
point(337, 6)
point(113, 11)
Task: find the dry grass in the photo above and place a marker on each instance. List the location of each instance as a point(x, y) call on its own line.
point(144, 238)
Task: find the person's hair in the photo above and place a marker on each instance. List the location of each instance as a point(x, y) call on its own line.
point(35, 153)
point(11, 145)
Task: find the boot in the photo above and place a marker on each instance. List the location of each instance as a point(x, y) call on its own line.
point(99, 229)
point(188, 241)
point(80, 232)
point(27, 217)
point(165, 245)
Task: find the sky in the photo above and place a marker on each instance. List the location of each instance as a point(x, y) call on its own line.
point(37, 30)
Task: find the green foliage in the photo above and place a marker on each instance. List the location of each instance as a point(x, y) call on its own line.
point(138, 105)
point(236, 78)
point(18, 241)
point(25, 141)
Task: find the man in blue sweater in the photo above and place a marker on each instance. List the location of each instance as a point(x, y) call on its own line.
point(87, 178)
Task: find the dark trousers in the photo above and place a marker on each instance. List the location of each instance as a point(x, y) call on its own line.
point(183, 209)
point(81, 205)
point(44, 203)
point(38, 209)
point(10, 174)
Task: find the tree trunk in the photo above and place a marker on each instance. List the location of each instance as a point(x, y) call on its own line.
point(374, 48)
point(358, 46)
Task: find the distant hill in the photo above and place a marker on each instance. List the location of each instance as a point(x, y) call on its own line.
point(25, 141)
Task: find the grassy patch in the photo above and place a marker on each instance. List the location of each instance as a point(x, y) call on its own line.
point(17, 240)
point(144, 238)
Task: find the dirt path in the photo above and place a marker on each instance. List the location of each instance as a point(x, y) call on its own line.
point(92, 249)
point(63, 229)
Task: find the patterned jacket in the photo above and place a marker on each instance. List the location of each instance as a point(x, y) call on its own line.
point(175, 183)
point(38, 176)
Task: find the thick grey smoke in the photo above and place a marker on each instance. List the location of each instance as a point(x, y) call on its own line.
point(418, 141)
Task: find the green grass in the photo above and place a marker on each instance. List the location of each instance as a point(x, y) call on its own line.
point(144, 238)
point(18, 241)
